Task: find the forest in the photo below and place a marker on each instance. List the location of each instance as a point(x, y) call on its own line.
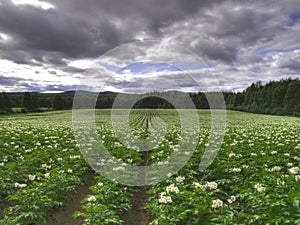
point(275, 98)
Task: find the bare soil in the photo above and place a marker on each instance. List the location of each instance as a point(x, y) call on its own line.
point(5, 204)
point(63, 215)
point(138, 215)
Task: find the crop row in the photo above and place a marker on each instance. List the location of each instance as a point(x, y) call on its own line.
point(253, 180)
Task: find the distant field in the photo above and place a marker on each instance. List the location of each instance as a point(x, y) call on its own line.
point(254, 179)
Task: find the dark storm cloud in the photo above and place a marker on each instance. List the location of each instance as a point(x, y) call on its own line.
point(55, 88)
point(50, 35)
point(37, 87)
point(9, 81)
point(52, 72)
point(78, 29)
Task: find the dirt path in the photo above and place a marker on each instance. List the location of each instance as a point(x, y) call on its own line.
point(138, 215)
point(5, 204)
point(63, 215)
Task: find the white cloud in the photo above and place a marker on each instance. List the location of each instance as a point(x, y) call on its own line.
point(127, 71)
point(34, 74)
point(81, 63)
point(4, 37)
point(35, 3)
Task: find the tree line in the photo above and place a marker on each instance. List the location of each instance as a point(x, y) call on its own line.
point(276, 97)
point(5, 103)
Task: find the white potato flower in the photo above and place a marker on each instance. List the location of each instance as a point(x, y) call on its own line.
point(231, 199)
point(259, 188)
point(200, 186)
point(211, 185)
point(17, 185)
point(294, 170)
point(274, 169)
point(165, 199)
point(236, 170)
point(31, 177)
point(91, 199)
point(217, 204)
point(171, 188)
point(231, 155)
point(100, 184)
point(180, 179)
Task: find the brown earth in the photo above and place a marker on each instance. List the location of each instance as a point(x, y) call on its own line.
point(63, 215)
point(138, 215)
point(5, 204)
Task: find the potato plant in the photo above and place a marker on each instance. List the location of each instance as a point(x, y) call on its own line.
point(255, 178)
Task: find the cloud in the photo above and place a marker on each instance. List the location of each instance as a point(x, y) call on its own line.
point(35, 3)
point(244, 41)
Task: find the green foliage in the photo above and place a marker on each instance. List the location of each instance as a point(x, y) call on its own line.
point(276, 97)
point(58, 102)
point(5, 103)
point(107, 202)
point(30, 102)
point(40, 167)
point(254, 166)
point(253, 180)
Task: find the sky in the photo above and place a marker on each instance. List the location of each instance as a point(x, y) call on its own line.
point(138, 46)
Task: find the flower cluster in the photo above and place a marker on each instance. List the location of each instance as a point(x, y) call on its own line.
point(232, 199)
point(236, 170)
point(31, 177)
point(91, 199)
point(294, 170)
point(172, 189)
point(211, 185)
point(208, 186)
point(217, 204)
point(259, 188)
point(17, 185)
point(47, 175)
point(164, 199)
point(180, 179)
point(274, 169)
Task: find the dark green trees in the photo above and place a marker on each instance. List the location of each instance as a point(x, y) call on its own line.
point(5, 104)
point(58, 102)
point(292, 99)
point(276, 97)
point(61, 102)
point(30, 102)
